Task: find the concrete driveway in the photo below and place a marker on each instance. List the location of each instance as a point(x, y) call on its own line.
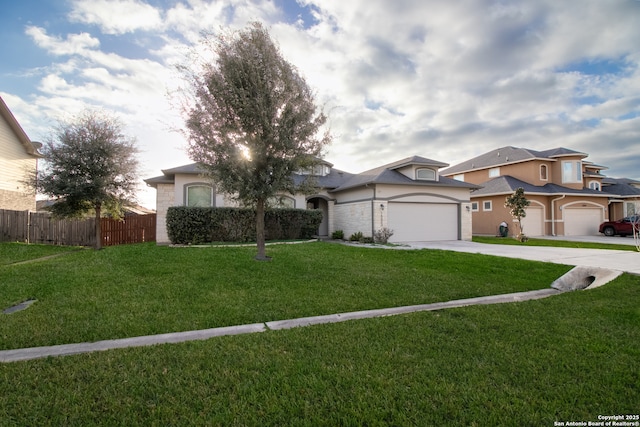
point(626, 261)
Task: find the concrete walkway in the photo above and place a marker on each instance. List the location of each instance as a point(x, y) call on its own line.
point(623, 261)
point(7, 356)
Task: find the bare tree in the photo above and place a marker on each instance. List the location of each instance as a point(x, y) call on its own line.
point(89, 165)
point(251, 121)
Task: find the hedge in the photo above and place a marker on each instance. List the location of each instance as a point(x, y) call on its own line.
point(190, 225)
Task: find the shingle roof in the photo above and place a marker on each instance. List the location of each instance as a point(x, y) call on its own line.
point(621, 187)
point(508, 155)
point(387, 174)
point(508, 184)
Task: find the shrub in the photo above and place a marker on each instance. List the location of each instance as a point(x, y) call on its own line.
point(337, 235)
point(189, 225)
point(355, 237)
point(366, 239)
point(382, 235)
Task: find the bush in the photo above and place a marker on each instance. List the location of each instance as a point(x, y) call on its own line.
point(382, 235)
point(355, 237)
point(366, 239)
point(188, 225)
point(337, 235)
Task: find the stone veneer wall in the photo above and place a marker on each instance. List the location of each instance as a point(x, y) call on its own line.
point(353, 217)
point(17, 201)
point(165, 198)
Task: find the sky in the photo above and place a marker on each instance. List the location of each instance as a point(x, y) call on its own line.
point(446, 80)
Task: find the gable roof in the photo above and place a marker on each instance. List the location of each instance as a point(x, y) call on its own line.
point(508, 184)
point(29, 146)
point(509, 155)
point(388, 174)
point(621, 187)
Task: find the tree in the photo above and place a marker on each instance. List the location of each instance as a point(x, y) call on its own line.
point(517, 205)
point(252, 121)
point(89, 165)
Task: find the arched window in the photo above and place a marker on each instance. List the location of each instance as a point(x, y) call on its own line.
point(594, 185)
point(426, 174)
point(199, 195)
point(543, 173)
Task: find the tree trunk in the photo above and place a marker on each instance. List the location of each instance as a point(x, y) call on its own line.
point(260, 238)
point(98, 244)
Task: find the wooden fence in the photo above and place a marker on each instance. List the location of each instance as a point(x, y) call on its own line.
point(39, 227)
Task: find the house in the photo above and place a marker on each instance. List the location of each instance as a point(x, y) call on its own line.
point(569, 195)
point(409, 197)
point(18, 160)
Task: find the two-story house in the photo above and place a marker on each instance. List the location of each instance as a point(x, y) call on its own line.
point(409, 196)
point(18, 160)
point(569, 195)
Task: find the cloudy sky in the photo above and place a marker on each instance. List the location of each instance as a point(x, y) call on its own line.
point(443, 79)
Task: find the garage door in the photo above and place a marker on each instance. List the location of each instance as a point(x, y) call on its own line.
point(533, 223)
point(581, 221)
point(415, 222)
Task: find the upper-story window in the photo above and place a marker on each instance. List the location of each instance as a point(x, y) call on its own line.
point(571, 172)
point(594, 185)
point(544, 173)
point(426, 174)
point(199, 195)
point(494, 172)
point(459, 177)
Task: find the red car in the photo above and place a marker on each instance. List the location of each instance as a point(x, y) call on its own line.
point(622, 227)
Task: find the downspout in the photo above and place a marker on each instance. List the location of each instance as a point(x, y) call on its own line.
point(553, 214)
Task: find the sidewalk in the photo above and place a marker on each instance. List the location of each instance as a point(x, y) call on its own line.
point(625, 261)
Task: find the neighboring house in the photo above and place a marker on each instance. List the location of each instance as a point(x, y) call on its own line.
point(45, 206)
point(569, 195)
point(409, 197)
point(18, 160)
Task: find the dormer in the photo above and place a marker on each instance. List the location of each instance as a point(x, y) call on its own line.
point(323, 168)
point(419, 168)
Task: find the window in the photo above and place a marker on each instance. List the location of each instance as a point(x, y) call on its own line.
point(572, 172)
point(281, 202)
point(459, 177)
point(474, 207)
point(594, 185)
point(426, 174)
point(199, 196)
point(543, 173)
point(486, 205)
point(494, 172)
point(631, 208)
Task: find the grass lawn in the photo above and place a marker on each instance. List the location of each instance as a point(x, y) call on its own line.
point(556, 243)
point(570, 357)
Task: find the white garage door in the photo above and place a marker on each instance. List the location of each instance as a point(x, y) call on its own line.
point(581, 221)
point(415, 222)
point(533, 223)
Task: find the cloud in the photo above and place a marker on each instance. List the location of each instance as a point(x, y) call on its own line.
point(73, 44)
point(116, 16)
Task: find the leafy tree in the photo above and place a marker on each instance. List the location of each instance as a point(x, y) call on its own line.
point(517, 204)
point(90, 165)
point(252, 121)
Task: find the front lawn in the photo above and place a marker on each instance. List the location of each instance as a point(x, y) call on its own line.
point(532, 241)
point(570, 357)
point(133, 290)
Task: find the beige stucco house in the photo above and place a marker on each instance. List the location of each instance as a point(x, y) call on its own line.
point(18, 159)
point(569, 195)
point(409, 196)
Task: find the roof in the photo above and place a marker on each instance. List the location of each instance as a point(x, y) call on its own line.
point(388, 174)
point(509, 155)
point(169, 175)
point(29, 146)
point(621, 187)
point(508, 184)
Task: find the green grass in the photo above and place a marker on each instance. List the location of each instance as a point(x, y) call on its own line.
point(146, 289)
point(569, 357)
point(554, 243)
point(18, 252)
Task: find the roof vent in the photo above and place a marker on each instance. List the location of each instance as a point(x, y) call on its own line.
point(498, 154)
